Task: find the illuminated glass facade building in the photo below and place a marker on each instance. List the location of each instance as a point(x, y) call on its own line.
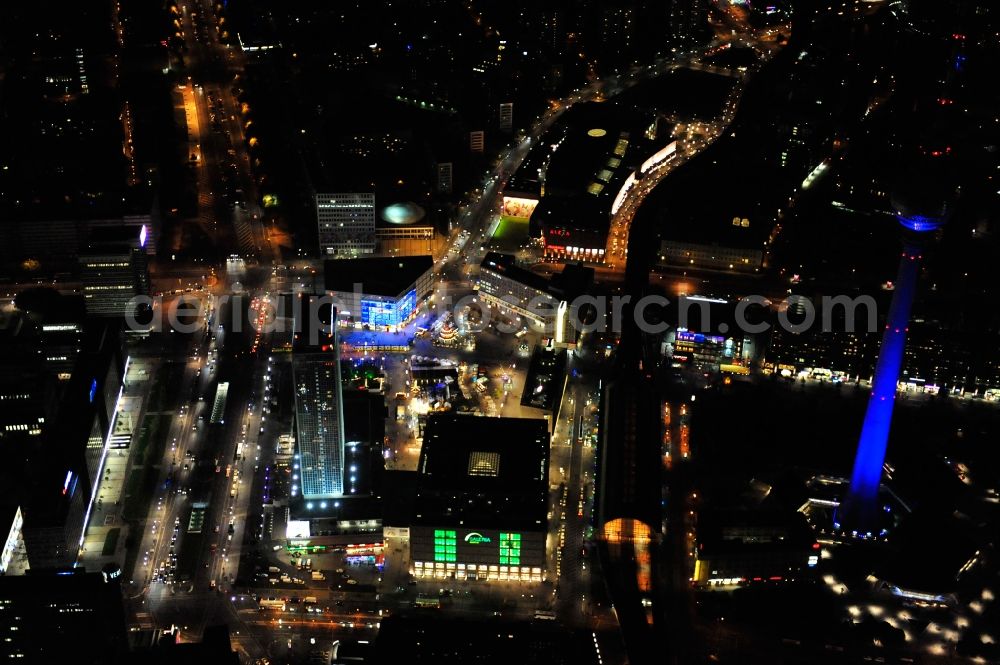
point(382, 292)
point(481, 502)
point(383, 313)
point(319, 413)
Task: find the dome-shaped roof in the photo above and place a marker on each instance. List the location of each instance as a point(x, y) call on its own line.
point(403, 214)
point(922, 198)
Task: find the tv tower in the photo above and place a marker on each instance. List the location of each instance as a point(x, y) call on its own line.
point(921, 206)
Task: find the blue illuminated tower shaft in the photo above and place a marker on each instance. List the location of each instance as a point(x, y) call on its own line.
point(861, 507)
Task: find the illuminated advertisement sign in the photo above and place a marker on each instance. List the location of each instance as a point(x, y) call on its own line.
point(574, 240)
point(298, 530)
point(502, 548)
point(518, 207)
point(365, 549)
point(69, 484)
point(476, 538)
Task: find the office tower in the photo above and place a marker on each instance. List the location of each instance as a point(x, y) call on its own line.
point(921, 209)
point(319, 411)
point(506, 116)
point(688, 22)
point(445, 177)
point(62, 616)
point(346, 224)
point(114, 270)
point(481, 499)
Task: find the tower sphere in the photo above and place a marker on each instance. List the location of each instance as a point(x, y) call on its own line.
point(921, 200)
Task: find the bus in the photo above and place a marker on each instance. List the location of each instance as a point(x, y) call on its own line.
point(272, 604)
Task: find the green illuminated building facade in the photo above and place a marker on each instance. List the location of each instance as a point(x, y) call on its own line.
point(481, 554)
point(481, 505)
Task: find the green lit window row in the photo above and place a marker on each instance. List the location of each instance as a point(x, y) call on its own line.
point(441, 533)
point(513, 560)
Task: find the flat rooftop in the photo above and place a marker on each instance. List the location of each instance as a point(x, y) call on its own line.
point(313, 332)
point(546, 380)
point(759, 530)
point(505, 264)
point(586, 157)
point(483, 472)
point(591, 140)
point(380, 276)
point(581, 213)
point(711, 201)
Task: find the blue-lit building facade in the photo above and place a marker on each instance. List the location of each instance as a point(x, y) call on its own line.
point(381, 293)
point(319, 411)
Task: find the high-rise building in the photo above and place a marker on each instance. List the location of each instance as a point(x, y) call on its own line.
point(613, 31)
point(62, 616)
point(88, 175)
point(688, 22)
point(506, 116)
point(114, 269)
point(921, 211)
point(477, 141)
point(346, 224)
point(445, 177)
point(319, 412)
